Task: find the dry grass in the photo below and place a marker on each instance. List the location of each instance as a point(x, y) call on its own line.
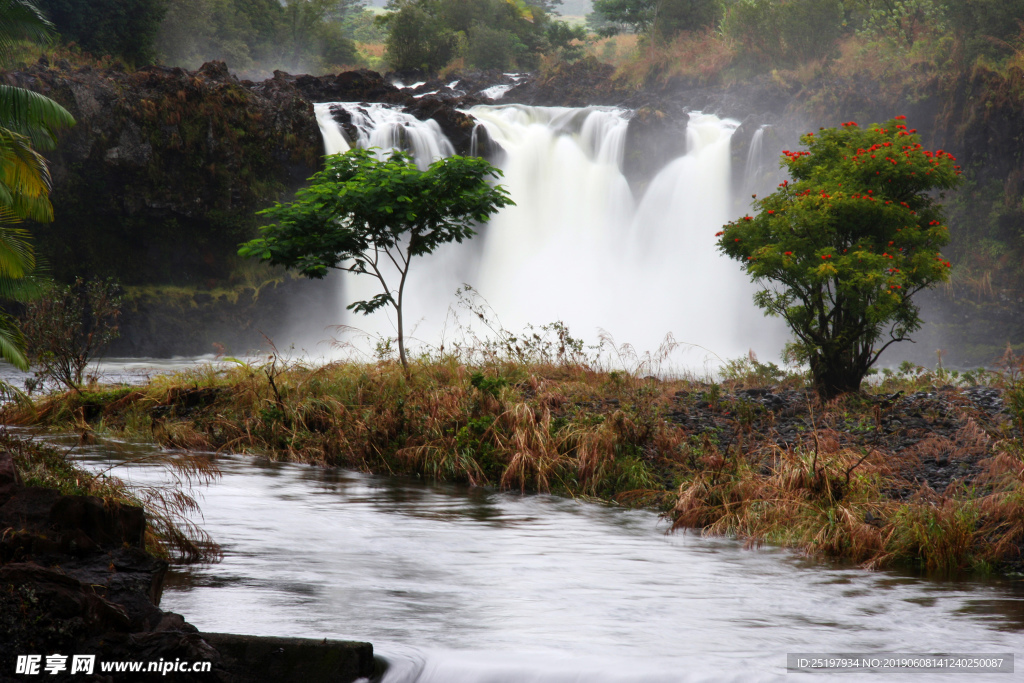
point(690, 59)
point(170, 531)
point(507, 424)
point(569, 428)
point(614, 50)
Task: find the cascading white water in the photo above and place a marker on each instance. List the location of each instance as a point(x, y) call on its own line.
point(755, 158)
point(577, 247)
point(384, 128)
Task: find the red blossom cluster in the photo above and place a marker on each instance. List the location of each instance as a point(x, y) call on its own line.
point(849, 123)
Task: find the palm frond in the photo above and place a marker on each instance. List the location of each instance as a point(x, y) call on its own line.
point(35, 116)
point(12, 343)
point(21, 20)
point(17, 258)
point(24, 178)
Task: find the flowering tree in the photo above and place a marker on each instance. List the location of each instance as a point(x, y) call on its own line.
point(842, 248)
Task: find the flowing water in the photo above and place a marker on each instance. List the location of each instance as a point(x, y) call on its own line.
point(132, 371)
point(457, 585)
point(579, 247)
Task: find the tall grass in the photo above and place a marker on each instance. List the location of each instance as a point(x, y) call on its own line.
point(539, 413)
point(170, 509)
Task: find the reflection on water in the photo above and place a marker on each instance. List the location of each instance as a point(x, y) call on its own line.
point(458, 584)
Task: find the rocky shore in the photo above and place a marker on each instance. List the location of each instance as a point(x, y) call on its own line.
point(75, 579)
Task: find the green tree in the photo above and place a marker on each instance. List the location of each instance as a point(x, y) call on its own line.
point(428, 34)
point(902, 22)
point(985, 27)
point(70, 326)
point(773, 33)
point(28, 122)
point(361, 213)
point(841, 250)
point(567, 39)
point(197, 31)
point(122, 28)
point(314, 28)
point(661, 18)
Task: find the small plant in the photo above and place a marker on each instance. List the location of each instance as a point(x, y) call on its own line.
point(69, 326)
point(488, 385)
point(1012, 379)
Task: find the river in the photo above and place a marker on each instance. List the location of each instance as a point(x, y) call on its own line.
point(456, 584)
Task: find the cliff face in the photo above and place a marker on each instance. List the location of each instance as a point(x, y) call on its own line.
point(162, 175)
point(158, 180)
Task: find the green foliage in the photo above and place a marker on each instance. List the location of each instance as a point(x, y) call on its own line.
point(662, 18)
point(748, 371)
point(28, 122)
point(984, 27)
point(428, 34)
point(21, 20)
point(488, 385)
point(903, 22)
point(362, 211)
point(362, 26)
point(611, 16)
point(843, 248)
point(69, 326)
point(303, 35)
point(783, 32)
point(567, 39)
point(1012, 380)
point(124, 28)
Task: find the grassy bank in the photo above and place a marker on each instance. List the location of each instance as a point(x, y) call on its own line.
point(169, 532)
point(931, 478)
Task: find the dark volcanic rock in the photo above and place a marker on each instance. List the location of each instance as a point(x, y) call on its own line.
point(160, 177)
point(458, 127)
point(351, 86)
point(586, 82)
point(654, 137)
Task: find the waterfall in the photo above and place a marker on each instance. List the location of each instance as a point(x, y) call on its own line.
point(578, 247)
point(385, 128)
point(755, 158)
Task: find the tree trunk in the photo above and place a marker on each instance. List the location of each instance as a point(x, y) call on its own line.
point(834, 375)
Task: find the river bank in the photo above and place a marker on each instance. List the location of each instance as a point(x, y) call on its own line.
point(923, 470)
point(77, 578)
